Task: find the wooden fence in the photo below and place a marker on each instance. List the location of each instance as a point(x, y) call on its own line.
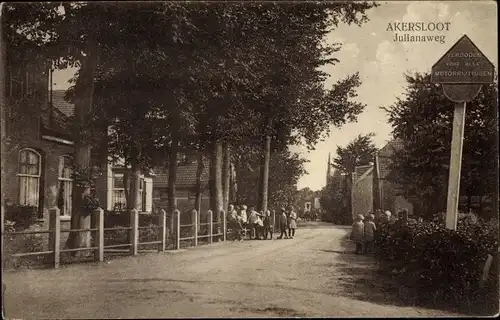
point(134, 244)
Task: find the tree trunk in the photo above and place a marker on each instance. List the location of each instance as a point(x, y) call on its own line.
point(233, 186)
point(264, 183)
point(172, 176)
point(199, 173)
point(226, 176)
point(126, 187)
point(80, 219)
point(135, 181)
point(216, 197)
point(469, 202)
point(3, 114)
point(237, 181)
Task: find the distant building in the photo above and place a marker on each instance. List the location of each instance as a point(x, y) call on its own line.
point(329, 172)
point(307, 200)
point(185, 186)
point(372, 190)
point(362, 190)
point(391, 194)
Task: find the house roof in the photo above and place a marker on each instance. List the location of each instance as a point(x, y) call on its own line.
point(186, 176)
point(384, 156)
point(389, 149)
point(56, 119)
point(360, 170)
point(58, 101)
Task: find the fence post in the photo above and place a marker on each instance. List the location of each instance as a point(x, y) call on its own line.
point(210, 226)
point(134, 232)
point(224, 223)
point(100, 234)
point(194, 221)
point(178, 235)
point(55, 235)
point(169, 230)
point(163, 230)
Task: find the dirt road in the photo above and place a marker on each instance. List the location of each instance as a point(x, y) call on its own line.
point(310, 275)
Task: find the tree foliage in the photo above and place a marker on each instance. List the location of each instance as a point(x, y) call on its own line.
point(333, 201)
point(285, 170)
point(360, 151)
point(422, 120)
point(207, 73)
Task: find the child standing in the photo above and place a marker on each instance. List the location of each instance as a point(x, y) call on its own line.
point(283, 223)
point(253, 218)
point(357, 234)
point(292, 223)
point(268, 225)
point(370, 228)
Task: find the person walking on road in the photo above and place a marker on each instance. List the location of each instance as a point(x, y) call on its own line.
point(235, 223)
point(369, 231)
point(259, 227)
point(243, 216)
point(292, 223)
point(268, 225)
point(357, 234)
point(253, 218)
point(283, 223)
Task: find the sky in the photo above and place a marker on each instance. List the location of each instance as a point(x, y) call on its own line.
point(381, 62)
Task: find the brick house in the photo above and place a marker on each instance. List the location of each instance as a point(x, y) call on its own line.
point(391, 196)
point(365, 179)
point(307, 201)
point(185, 186)
point(362, 190)
point(39, 149)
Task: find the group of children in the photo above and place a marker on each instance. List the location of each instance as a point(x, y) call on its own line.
point(363, 231)
point(261, 224)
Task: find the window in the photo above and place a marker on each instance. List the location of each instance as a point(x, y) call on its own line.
point(29, 177)
point(64, 197)
point(156, 193)
point(119, 200)
point(163, 193)
point(185, 159)
point(308, 206)
point(21, 81)
point(142, 195)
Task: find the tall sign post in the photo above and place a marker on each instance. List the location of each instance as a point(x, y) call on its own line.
point(461, 72)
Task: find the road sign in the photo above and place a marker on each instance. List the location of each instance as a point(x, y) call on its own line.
point(464, 63)
point(461, 71)
point(461, 92)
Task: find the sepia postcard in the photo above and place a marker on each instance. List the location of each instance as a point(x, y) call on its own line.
point(242, 159)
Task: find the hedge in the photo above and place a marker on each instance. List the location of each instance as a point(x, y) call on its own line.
point(442, 263)
point(22, 216)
